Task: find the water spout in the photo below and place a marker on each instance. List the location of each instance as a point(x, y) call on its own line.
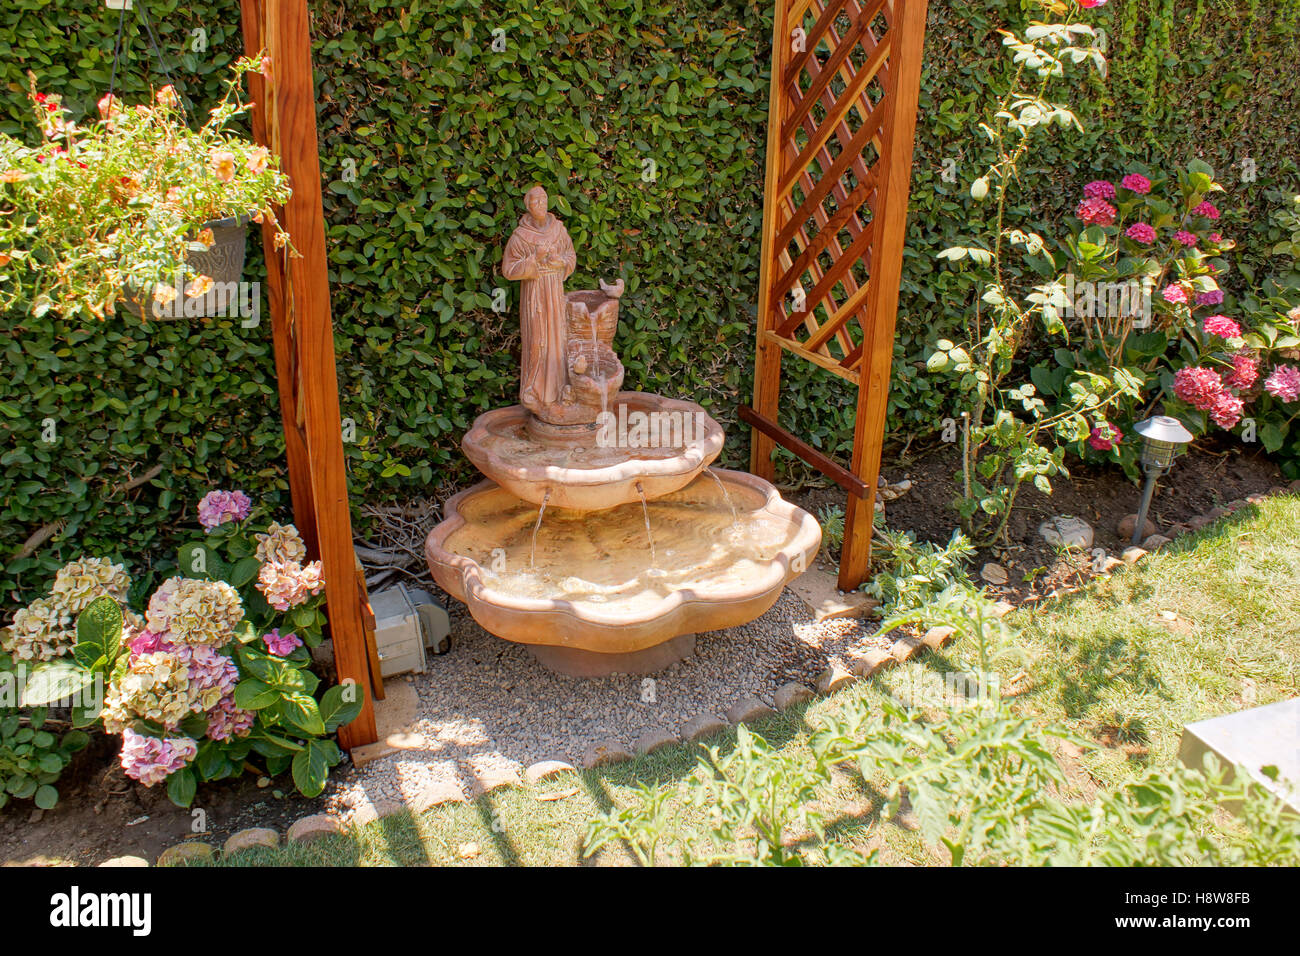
point(645, 511)
point(735, 519)
point(532, 551)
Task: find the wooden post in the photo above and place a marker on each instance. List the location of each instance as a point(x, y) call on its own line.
point(767, 354)
point(882, 295)
point(285, 122)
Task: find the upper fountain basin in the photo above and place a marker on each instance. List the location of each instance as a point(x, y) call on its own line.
point(645, 445)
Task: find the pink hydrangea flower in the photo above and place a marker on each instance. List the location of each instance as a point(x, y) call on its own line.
point(228, 720)
point(1141, 232)
point(1215, 238)
point(1198, 386)
point(1212, 297)
point(1096, 212)
point(1089, 4)
point(208, 669)
point(1284, 383)
point(1206, 209)
point(1185, 238)
point(148, 642)
point(1174, 294)
point(287, 584)
point(1222, 326)
point(1099, 189)
point(218, 507)
point(1245, 371)
point(152, 760)
point(1226, 410)
point(1136, 183)
point(1105, 437)
point(281, 646)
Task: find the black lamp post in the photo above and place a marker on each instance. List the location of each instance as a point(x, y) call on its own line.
point(1162, 436)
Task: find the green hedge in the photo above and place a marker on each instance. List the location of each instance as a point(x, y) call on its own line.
point(444, 132)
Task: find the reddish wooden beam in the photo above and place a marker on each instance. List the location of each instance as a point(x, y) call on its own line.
point(285, 122)
point(792, 443)
point(907, 41)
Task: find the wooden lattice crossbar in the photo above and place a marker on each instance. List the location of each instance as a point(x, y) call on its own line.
point(842, 116)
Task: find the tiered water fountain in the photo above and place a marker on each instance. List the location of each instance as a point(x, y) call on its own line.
point(602, 539)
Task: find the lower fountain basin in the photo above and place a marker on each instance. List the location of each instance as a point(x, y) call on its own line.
point(589, 581)
point(660, 444)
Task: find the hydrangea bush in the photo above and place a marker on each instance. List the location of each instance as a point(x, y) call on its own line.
point(214, 675)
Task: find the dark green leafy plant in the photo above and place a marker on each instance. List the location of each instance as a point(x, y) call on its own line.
point(34, 748)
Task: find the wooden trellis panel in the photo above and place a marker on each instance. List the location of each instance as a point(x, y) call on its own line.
point(842, 115)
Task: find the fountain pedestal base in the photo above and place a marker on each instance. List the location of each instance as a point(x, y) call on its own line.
point(575, 662)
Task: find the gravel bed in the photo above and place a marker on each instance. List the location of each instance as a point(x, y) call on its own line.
point(488, 707)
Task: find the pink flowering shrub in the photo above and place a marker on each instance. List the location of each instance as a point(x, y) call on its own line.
point(216, 675)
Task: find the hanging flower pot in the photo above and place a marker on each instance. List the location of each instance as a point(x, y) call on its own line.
point(135, 210)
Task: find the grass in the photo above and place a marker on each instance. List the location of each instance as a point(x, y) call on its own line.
point(1208, 626)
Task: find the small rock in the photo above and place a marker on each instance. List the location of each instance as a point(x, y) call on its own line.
point(191, 852)
point(1110, 564)
point(994, 574)
point(653, 740)
point(1257, 498)
point(1128, 522)
point(1002, 608)
point(1294, 486)
point(263, 782)
point(833, 678)
point(1214, 514)
point(873, 661)
point(604, 752)
point(749, 710)
point(547, 768)
point(1198, 522)
point(939, 636)
point(246, 839)
point(905, 648)
point(1155, 542)
point(313, 828)
point(705, 725)
point(492, 778)
point(1133, 555)
point(1066, 531)
point(1177, 530)
point(1236, 504)
point(792, 695)
point(372, 810)
point(437, 793)
point(125, 861)
point(35, 816)
point(1277, 490)
point(468, 851)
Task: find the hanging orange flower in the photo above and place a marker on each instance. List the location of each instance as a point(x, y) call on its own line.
point(168, 97)
point(222, 164)
point(257, 160)
point(163, 294)
point(109, 104)
point(13, 176)
point(200, 286)
point(206, 238)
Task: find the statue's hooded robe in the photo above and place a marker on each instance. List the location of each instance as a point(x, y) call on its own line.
point(541, 308)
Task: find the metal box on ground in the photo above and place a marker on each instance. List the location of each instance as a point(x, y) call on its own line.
point(408, 622)
point(1260, 737)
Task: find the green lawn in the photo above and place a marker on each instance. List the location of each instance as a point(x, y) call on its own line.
point(1206, 627)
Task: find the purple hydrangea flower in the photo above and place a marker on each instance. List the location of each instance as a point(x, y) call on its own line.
point(281, 646)
point(152, 760)
point(1212, 297)
point(228, 720)
point(218, 507)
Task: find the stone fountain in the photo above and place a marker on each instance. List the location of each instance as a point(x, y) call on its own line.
point(602, 539)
